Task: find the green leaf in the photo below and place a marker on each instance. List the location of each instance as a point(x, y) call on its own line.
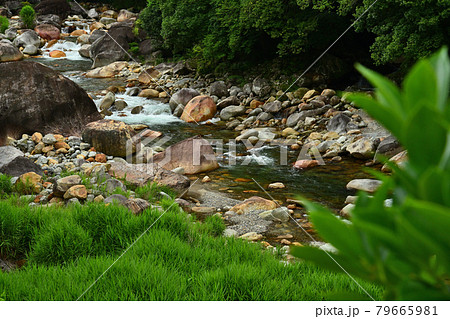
point(387, 93)
point(441, 65)
point(390, 118)
point(419, 92)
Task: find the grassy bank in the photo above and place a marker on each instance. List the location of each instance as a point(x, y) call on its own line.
point(178, 259)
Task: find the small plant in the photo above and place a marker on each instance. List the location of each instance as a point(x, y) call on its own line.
point(153, 192)
point(4, 24)
point(403, 247)
point(134, 48)
point(27, 14)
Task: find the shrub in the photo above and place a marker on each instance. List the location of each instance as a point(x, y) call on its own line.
point(403, 247)
point(4, 24)
point(27, 14)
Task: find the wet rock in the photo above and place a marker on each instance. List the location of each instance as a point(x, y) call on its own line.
point(195, 155)
point(366, 185)
point(218, 88)
point(92, 13)
point(107, 101)
point(137, 109)
point(303, 164)
point(199, 109)
point(277, 185)
point(57, 54)
point(231, 111)
point(9, 52)
point(110, 137)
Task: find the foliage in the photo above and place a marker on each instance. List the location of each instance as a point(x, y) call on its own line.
point(134, 48)
point(218, 31)
point(404, 247)
point(405, 30)
point(4, 24)
point(154, 192)
point(27, 14)
point(213, 225)
point(176, 259)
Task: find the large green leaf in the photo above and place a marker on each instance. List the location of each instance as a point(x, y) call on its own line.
point(387, 93)
point(441, 65)
point(418, 92)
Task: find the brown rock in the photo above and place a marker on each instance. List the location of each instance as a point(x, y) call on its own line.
point(199, 109)
point(107, 71)
point(77, 191)
point(255, 103)
point(302, 164)
point(141, 174)
point(60, 144)
point(398, 159)
point(101, 158)
point(36, 137)
point(48, 149)
point(110, 137)
point(194, 154)
point(57, 54)
point(47, 31)
point(149, 93)
point(137, 205)
point(77, 33)
point(31, 181)
point(254, 204)
point(148, 76)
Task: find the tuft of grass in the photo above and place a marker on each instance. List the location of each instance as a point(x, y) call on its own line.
point(4, 24)
point(177, 259)
point(6, 186)
point(152, 192)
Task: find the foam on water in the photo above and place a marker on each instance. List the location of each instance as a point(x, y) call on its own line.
point(153, 113)
point(69, 48)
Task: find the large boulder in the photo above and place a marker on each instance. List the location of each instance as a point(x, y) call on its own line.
point(199, 109)
point(112, 46)
point(9, 52)
point(183, 97)
point(34, 98)
point(141, 174)
point(195, 155)
point(47, 31)
point(29, 37)
point(59, 7)
point(14, 163)
point(52, 19)
point(110, 137)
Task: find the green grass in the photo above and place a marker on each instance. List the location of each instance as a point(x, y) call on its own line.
point(178, 259)
point(6, 187)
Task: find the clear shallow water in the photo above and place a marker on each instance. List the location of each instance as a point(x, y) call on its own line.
point(323, 184)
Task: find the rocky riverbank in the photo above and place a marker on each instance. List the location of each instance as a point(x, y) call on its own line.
point(308, 122)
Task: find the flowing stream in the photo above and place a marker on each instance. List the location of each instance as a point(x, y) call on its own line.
point(324, 184)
